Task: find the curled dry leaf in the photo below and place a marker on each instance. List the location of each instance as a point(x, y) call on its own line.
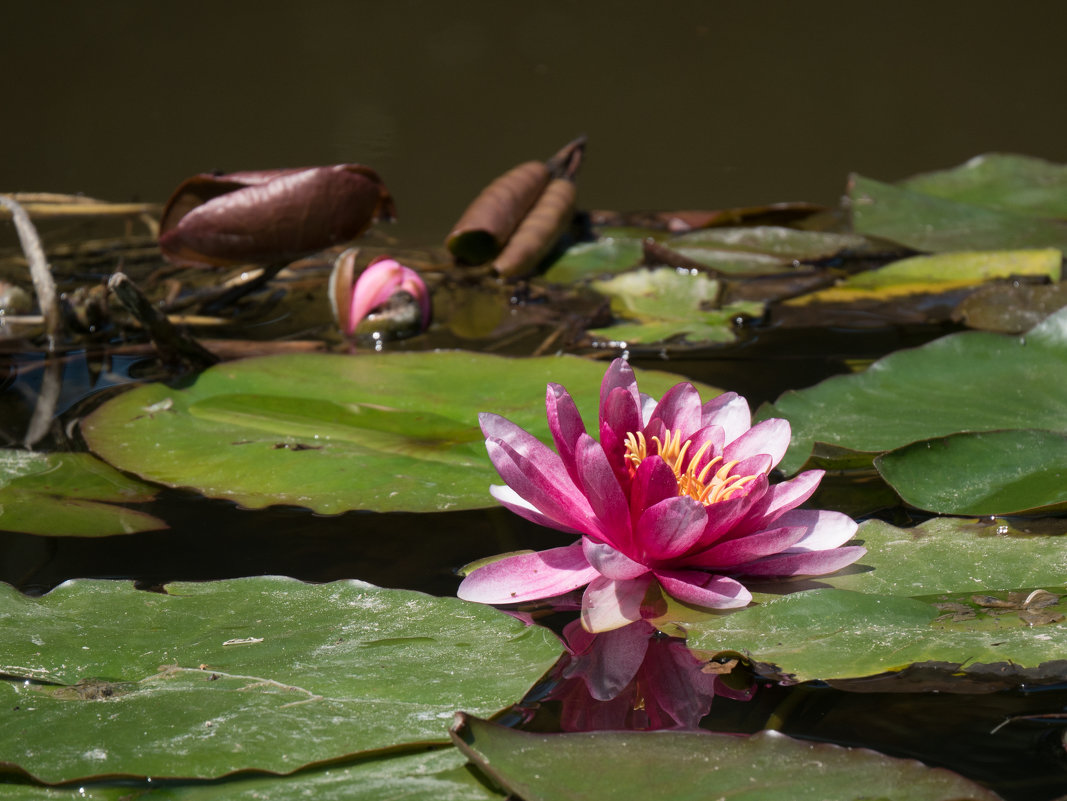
point(489, 222)
point(270, 215)
point(539, 230)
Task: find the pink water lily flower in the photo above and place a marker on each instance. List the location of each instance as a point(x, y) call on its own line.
point(376, 285)
point(673, 499)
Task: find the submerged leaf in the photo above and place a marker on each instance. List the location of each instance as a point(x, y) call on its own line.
point(1011, 308)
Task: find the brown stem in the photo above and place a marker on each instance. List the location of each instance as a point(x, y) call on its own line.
point(174, 345)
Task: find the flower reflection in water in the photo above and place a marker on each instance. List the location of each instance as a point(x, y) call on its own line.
point(634, 678)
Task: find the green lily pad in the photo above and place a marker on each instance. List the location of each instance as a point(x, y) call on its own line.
point(607, 256)
point(931, 274)
point(672, 766)
point(934, 224)
point(262, 673)
point(1019, 184)
point(992, 473)
point(69, 494)
point(667, 303)
point(953, 555)
point(968, 382)
point(386, 432)
point(436, 774)
point(838, 634)
point(948, 591)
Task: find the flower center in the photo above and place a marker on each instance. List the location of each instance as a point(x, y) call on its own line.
point(705, 486)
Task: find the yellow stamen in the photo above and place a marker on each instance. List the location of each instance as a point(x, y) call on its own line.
point(721, 486)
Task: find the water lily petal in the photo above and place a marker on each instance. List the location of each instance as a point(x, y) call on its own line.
point(520, 506)
point(537, 474)
point(671, 527)
point(648, 407)
point(704, 589)
point(715, 437)
point(610, 562)
point(679, 409)
point(782, 497)
point(565, 423)
point(808, 563)
point(619, 375)
point(377, 283)
point(728, 518)
point(601, 488)
point(770, 437)
point(823, 529)
point(528, 576)
point(609, 604)
point(730, 412)
point(737, 551)
point(653, 482)
point(619, 416)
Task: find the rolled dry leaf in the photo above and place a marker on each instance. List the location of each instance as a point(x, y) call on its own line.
point(494, 215)
point(565, 163)
point(270, 215)
point(539, 230)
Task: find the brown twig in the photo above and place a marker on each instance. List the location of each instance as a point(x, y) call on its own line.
point(43, 284)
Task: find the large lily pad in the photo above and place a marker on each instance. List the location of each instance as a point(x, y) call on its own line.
point(69, 494)
point(667, 304)
point(935, 224)
point(948, 591)
point(259, 673)
point(386, 432)
point(672, 766)
point(440, 775)
point(996, 472)
point(972, 381)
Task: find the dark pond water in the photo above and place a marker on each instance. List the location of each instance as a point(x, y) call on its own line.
point(691, 105)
